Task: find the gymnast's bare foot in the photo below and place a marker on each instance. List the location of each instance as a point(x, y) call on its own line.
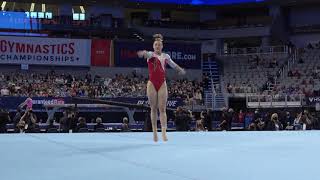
point(155, 137)
point(164, 136)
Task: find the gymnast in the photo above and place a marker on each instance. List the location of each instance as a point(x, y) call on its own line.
point(157, 91)
point(27, 103)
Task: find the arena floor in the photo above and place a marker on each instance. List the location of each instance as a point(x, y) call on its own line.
point(186, 156)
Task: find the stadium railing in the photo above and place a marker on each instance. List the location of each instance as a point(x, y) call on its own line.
point(255, 50)
point(274, 101)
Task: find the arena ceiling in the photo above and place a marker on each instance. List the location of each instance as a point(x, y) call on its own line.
point(135, 4)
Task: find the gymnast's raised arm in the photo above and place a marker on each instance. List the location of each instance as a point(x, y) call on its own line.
point(144, 54)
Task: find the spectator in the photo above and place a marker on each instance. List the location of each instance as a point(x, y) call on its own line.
point(288, 120)
point(274, 124)
point(181, 119)
point(82, 124)
point(199, 122)
point(5, 91)
point(230, 117)
point(224, 120)
point(125, 124)
point(21, 126)
point(72, 122)
point(64, 124)
point(257, 124)
point(207, 119)
point(99, 124)
point(241, 116)
point(66, 85)
point(305, 119)
point(229, 88)
point(198, 97)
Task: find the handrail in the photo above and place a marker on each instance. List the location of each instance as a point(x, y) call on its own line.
point(212, 86)
point(255, 50)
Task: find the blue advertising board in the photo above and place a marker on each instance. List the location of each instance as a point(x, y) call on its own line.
point(186, 55)
point(12, 103)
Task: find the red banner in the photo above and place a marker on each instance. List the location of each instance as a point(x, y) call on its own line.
point(100, 52)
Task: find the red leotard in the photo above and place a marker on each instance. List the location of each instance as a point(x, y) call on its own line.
point(156, 67)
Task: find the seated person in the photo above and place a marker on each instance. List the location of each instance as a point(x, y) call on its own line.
point(125, 124)
point(82, 124)
point(274, 124)
point(99, 124)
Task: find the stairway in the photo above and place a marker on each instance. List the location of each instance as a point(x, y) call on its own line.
point(213, 97)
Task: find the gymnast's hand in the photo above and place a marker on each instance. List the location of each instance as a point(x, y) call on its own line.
point(141, 54)
point(181, 71)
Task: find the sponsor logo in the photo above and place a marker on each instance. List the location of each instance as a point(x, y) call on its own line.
point(172, 103)
point(314, 99)
point(131, 54)
point(182, 56)
point(48, 101)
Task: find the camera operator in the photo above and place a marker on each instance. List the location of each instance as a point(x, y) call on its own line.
point(28, 122)
point(17, 117)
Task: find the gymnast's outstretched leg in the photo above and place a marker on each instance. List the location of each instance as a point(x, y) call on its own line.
point(153, 101)
point(162, 104)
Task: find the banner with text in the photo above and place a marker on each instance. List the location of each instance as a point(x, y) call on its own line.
point(12, 103)
point(45, 51)
point(313, 100)
point(187, 55)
